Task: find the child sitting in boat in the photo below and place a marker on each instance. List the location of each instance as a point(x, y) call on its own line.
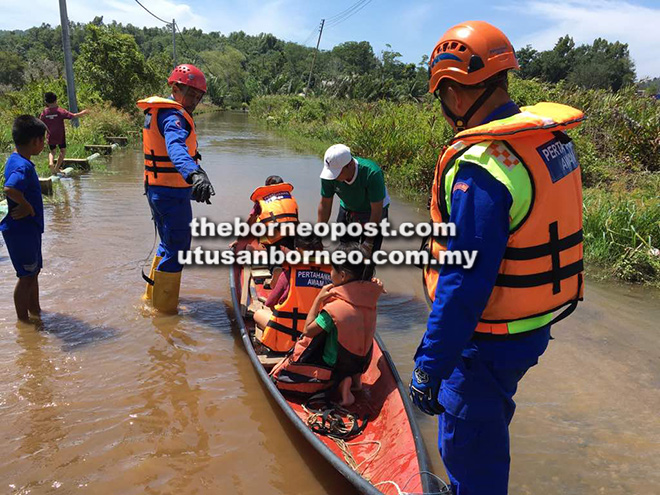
point(283, 318)
point(273, 202)
point(338, 335)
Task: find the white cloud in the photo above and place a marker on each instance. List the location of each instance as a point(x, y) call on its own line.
point(586, 20)
point(16, 16)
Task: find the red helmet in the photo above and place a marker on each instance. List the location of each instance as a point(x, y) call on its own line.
point(189, 75)
point(469, 53)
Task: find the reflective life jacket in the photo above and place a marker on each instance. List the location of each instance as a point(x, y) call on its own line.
point(353, 310)
point(158, 167)
point(542, 268)
point(277, 205)
point(288, 320)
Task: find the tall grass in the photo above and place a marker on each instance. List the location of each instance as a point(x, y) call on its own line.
point(618, 148)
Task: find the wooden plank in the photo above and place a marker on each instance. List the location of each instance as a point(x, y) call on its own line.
point(120, 140)
point(79, 163)
point(46, 185)
point(245, 289)
point(261, 273)
point(268, 362)
point(105, 149)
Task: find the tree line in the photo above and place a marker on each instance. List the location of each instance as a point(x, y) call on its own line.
point(121, 63)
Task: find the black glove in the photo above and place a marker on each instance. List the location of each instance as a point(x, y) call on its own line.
point(202, 189)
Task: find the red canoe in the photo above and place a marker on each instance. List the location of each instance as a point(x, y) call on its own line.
point(401, 462)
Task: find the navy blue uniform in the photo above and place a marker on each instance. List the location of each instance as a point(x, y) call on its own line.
point(171, 206)
point(479, 377)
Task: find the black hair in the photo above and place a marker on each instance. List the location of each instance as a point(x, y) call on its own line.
point(26, 128)
point(355, 270)
point(310, 242)
point(50, 97)
point(274, 179)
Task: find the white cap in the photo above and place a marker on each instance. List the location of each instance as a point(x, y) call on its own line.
point(336, 158)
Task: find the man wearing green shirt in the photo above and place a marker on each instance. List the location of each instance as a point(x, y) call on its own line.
point(360, 185)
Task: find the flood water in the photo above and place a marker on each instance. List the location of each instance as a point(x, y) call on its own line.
point(108, 399)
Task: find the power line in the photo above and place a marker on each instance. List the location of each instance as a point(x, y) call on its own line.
point(193, 53)
point(161, 20)
point(348, 13)
point(332, 18)
point(311, 35)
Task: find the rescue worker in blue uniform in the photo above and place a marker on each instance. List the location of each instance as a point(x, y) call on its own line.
point(172, 178)
point(489, 325)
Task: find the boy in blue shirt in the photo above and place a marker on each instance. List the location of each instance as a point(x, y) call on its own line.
point(24, 223)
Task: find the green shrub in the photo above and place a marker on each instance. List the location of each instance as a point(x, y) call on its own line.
point(618, 147)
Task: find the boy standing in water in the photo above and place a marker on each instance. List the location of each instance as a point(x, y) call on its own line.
point(53, 116)
point(23, 225)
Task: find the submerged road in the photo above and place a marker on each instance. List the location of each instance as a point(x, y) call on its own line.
point(107, 399)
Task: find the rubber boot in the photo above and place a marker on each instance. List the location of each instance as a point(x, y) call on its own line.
point(166, 291)
point(148, 292)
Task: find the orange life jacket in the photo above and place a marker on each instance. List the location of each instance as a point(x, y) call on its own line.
point(542, 267)
point(277, 205)
point(158, 167)
point(303, 371)
point(288, 320)
point(353, 310)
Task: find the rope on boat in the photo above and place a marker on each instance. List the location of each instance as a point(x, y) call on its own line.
point(445, 489)
point(339, 424)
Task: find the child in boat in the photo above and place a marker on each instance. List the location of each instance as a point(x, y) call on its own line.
point(343, 316)
point(273, 202)
point(283, 318)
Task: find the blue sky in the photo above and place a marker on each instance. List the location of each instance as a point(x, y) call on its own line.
point(411, 27)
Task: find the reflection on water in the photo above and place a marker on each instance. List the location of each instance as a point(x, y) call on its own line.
point(108, 399)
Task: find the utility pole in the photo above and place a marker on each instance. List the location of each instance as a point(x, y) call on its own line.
point(68, 62)
point(174, 41)
point(318, 42)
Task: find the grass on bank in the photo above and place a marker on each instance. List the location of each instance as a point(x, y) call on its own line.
point(618, 147)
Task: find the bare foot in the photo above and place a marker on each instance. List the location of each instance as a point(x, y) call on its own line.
point(347, 398)
point(356, 383)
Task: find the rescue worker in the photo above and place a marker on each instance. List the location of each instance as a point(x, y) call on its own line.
point(172, 176)
point(510, 181)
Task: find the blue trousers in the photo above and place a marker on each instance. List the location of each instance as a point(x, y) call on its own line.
point(473, 436)
point(172, 216)
point(24, 250)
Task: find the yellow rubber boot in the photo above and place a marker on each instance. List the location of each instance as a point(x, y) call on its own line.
point(148, 292)
point(166, 291)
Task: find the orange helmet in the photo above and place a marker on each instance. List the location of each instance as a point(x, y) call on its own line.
point(470, 53)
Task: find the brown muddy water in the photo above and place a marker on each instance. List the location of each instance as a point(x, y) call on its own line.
point(107, 399)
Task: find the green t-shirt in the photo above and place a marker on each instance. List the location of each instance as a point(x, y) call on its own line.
point(324, 321)
point(368, 187)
